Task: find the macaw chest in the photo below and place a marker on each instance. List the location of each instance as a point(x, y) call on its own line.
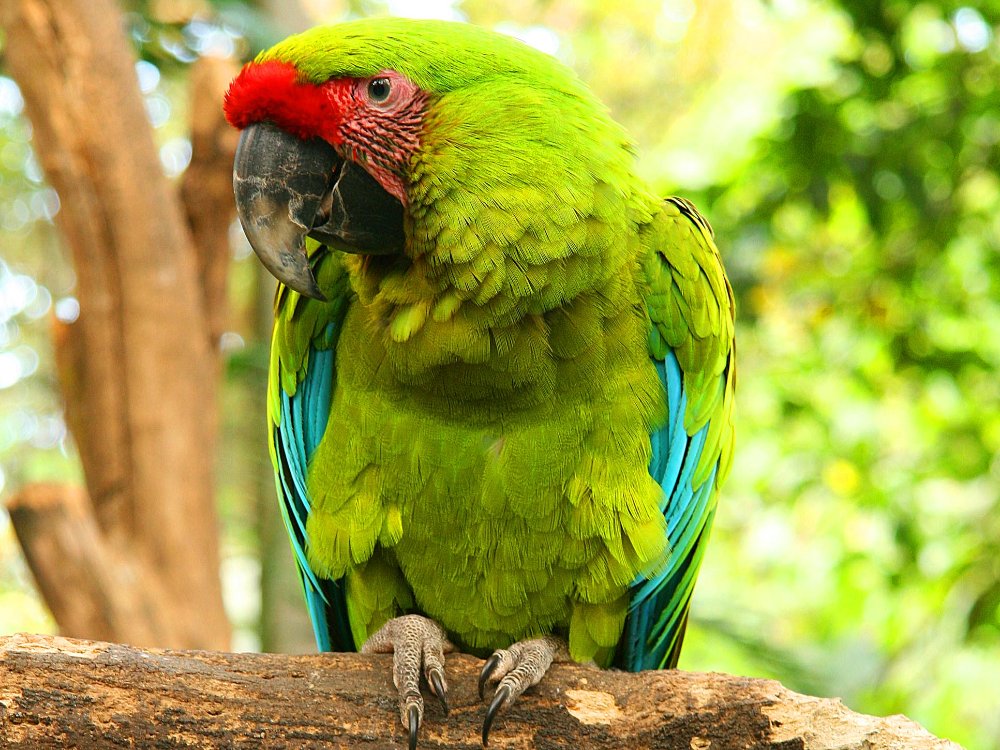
point(497, 528)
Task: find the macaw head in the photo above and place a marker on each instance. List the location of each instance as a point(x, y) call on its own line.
point(382, 135)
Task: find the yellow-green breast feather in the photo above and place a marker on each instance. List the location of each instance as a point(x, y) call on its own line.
point(519, 426)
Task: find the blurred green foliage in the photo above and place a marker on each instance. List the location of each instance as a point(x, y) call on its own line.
point(861, 530)
point(847, 154)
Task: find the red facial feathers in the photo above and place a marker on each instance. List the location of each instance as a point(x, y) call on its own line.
point(380, 132)
point(273, 91)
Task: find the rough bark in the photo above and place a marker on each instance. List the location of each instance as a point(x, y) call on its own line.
point(58, 693)
point(137, 367)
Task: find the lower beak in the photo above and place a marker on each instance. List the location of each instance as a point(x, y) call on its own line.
point(288, 188)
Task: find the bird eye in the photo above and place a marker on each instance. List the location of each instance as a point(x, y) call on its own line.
point(379, 89)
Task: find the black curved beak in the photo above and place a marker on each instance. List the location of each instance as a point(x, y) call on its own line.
point(288, 188)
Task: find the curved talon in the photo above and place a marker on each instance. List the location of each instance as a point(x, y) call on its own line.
point(502, 694)
point(436, 680)
point(413, 719)
point(417, 645)
point(488, 669)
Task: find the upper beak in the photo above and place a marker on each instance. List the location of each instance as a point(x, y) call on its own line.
point(288, 188)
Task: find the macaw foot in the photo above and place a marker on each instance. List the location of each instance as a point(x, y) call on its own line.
point(417, 644)
point(516, 669)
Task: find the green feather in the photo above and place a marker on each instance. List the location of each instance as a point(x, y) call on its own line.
point(485, 460)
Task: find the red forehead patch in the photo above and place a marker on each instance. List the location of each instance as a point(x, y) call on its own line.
point(273, 91)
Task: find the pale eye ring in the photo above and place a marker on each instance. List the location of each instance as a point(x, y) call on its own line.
point(379, 89)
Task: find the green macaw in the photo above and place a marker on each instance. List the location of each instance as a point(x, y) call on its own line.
point(502, 370)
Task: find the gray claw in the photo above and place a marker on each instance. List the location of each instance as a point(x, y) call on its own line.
point(502, 694)
point(413, 719)
point(417, 644)
point(436, 680)
point(516, 669)
point(488, 669)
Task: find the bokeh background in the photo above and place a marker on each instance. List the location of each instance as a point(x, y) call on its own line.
point(846, 153)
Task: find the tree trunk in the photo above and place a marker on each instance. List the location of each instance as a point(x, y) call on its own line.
point(139, 367)
point(59, 693)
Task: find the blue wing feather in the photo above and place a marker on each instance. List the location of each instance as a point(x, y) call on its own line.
point(298, 432)
point(658, 606)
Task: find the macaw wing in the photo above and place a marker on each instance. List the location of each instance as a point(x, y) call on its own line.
point(691, 308)
point(301, 380)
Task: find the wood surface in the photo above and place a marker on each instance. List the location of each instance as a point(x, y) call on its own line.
point(61, 693)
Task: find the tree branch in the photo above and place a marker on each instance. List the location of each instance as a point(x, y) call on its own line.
point(61, 693)
point(86, 585)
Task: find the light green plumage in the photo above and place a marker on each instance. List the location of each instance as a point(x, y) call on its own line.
point(486, 456)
